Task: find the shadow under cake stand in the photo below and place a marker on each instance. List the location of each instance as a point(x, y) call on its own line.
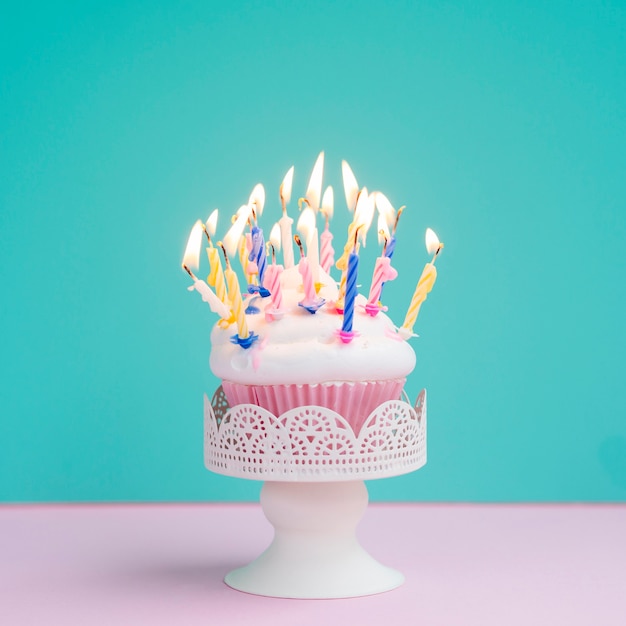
point(313, 465)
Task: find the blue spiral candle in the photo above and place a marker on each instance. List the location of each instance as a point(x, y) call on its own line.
point(391, 246)
point(257, 254)
point(351, 292)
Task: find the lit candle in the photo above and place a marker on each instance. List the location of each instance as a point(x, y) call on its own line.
point(327, 253)
point(257, 252)
point(285, 221)
point(306, 227)
point(272, 282)
point(310, 302)
point(249, 268)
point(424, 285)
point(386, 210)
point(304, 268)
point(346, 333)
point(191, 258)
point(216, 275)
point(383, 240)
point(243, 337)
point(363, 215)
point(382, 273)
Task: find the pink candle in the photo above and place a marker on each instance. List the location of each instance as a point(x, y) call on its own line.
point(382, 273)
point(272, 284)
point(310, 302)
point(304, 267)
point(327, 253)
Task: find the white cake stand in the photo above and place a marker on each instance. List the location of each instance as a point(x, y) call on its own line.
point(314, 465)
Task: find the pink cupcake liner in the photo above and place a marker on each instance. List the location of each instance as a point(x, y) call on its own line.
point(352, 400)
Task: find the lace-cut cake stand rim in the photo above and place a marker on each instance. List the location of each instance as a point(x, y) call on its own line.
point(313, 443)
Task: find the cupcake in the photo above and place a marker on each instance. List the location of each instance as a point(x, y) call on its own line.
point(299, 359)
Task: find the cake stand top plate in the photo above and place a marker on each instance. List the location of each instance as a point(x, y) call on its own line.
point(313, 443)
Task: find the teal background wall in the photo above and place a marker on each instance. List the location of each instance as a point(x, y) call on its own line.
point(500, 125)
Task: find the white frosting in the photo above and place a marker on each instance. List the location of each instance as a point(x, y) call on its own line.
point(303, 348)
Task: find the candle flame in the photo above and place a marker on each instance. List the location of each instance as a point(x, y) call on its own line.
point(285, 186)
point(350, 186)
point(328, 203)
point(383, 230)
point(257, 199)
point(306, 222)
point(232, 237)
point(364, 214)
point(211, 223)
point(432, 241)
point(314, 190)
point(191, 258)
point(299, 244)
point(385, 208)
point(275, 238)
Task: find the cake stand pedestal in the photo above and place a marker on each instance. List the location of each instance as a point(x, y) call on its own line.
point(315, 552)
point(314, 465)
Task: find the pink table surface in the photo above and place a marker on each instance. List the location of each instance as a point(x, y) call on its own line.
point(164, 564)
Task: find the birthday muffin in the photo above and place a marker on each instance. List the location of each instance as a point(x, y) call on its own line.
point(300, 360)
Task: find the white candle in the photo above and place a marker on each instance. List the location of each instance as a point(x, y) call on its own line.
point(191, 259)
point(209, 296)
point(285, 221)
point(306, 227)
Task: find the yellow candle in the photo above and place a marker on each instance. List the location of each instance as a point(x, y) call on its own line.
point(342, 290)
point(216, 280)
point(243, 259)
point(424, 286)
point(216, 275)
point(342, 263)
point(237, 303)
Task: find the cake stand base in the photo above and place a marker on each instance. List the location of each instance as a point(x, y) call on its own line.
point(315, 552)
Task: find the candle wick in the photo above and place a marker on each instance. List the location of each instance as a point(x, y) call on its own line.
point(206, 232)
point(253, 215)
point(398, 214)
point(271, 245)
point(384, 236)
point(282, 201)
point(302, 201)
point(189, 272)
point(356, 237)
point(439, 249)
point(299, 244)
point(226, 261)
